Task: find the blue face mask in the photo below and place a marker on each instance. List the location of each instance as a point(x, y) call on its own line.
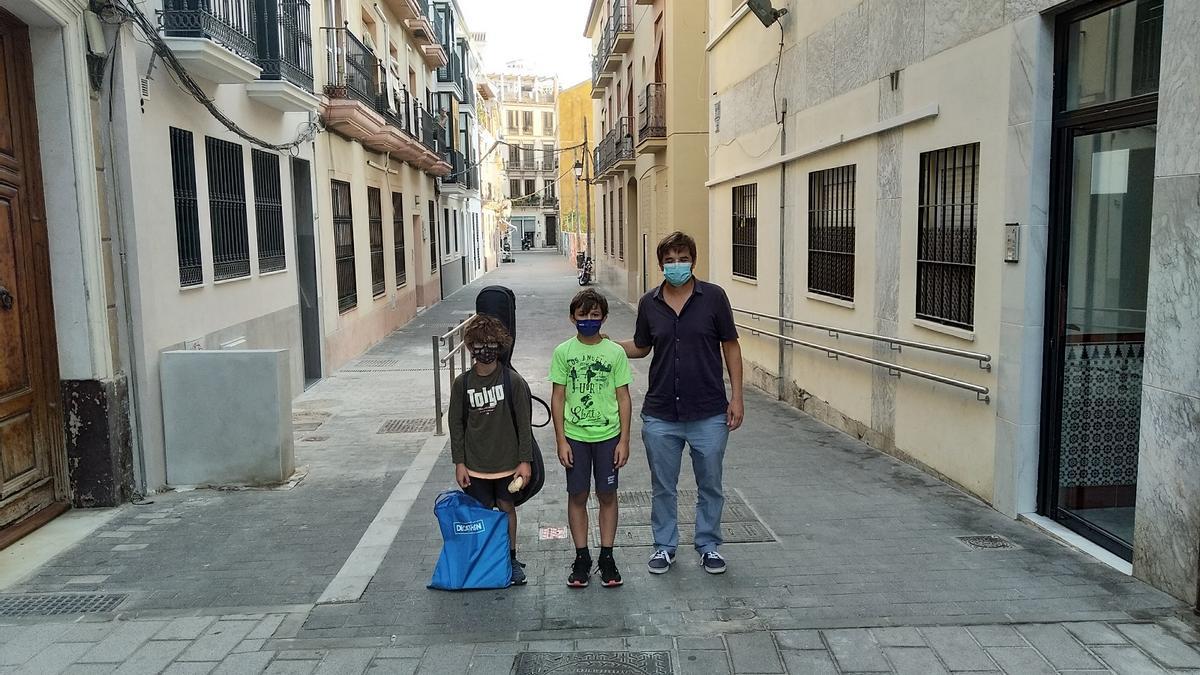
point(588, 327)
point(678, 274)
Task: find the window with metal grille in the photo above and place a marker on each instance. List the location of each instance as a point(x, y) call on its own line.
point(398, 238)
point(268, 211)
point(375, 228)
point(946, 229)
point(433, 245)
point(227, 209)
point(621, 223)
point(514, 189)
point(343, 245)
point(745, 231)
point(831, 232)
point(446, 226)
point(547, 123)
point(187, 215)
point(604, 220)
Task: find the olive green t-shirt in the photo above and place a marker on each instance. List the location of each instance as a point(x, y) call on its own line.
point(591, 374)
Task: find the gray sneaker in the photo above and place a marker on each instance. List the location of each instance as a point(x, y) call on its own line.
point(713, 563)
point(660, 562)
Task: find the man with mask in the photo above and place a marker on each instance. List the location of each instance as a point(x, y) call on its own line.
point(688, 324)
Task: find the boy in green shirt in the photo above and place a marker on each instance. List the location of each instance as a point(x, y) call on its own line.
point(591, 410)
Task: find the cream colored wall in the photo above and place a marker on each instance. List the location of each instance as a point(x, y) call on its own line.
point(970, 83)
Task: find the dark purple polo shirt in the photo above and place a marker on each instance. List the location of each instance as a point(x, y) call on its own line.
point(686, 383)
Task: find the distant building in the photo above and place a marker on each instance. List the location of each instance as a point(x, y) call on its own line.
point(531, 160)
point(574, 115)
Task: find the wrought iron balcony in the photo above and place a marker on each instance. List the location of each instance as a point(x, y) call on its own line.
point(451, 73)
point(285, 49)
point(620, 22)
point(353, 70)
point(528, 200)
point(396, 107)
point(652, 117)
point(432, 133)
point(229, 23)
point(616, 149)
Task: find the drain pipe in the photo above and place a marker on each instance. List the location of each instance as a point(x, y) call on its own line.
point(784, 369)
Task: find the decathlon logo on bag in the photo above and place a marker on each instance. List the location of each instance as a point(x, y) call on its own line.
point(473, 527)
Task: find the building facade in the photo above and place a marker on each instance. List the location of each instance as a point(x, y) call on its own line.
point(493, 180)
point(984, 216)
point(649, 136)
point(531, 159)
point(574, 116)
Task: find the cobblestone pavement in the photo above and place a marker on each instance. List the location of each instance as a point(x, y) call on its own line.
point(855, 565)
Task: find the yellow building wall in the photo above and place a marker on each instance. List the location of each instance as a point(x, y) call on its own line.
point(574, 115)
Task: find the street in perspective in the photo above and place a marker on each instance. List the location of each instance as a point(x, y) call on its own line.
point(600, 336)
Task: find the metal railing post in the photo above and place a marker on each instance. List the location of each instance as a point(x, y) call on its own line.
point(437, 386)
point(450, 353)
point(462, 353)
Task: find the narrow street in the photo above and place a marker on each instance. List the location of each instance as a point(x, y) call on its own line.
point(841, 559)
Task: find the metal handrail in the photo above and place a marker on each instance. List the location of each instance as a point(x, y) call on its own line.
point(448, 360)
point(981, 392)
point(985, 360)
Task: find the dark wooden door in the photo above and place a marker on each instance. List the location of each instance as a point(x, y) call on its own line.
point(31, 462)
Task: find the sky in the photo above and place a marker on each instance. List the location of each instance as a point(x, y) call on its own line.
point(546, 34)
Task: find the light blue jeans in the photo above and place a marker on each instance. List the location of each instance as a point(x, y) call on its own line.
point(664, 443)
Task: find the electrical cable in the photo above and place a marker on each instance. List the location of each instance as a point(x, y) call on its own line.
point(778, 67)
point(119, 14)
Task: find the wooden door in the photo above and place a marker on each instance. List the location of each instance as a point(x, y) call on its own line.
point(31, 446)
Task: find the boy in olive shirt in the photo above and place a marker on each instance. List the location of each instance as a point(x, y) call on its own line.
point(591, 412)
point(492, 444)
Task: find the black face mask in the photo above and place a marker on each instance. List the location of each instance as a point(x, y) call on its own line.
point(486, 354)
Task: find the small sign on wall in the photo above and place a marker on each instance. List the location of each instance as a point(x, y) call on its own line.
point(1012, 242)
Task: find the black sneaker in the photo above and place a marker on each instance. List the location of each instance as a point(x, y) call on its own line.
point(581, 569)
point(660, 562)
point(713, 563)
point(610, 576)
point(518, 573)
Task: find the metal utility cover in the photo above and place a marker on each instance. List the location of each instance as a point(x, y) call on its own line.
point(594, 663)
point(987, 542)
point(413, 425)
point(50, 604)
point(381, 364)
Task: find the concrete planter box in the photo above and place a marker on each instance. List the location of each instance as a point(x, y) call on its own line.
point(227, 417)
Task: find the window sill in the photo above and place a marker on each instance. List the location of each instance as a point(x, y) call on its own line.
point(193, 287)
point(837, 302)
point(959, 333)
point(273, 273)
point(379, 296)
point(234, 280)
point(744, 280)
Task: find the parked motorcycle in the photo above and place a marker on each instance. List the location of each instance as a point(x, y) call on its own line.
point(585, 272)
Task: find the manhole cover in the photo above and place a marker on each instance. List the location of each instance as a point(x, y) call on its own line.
point(987, 542)
point(417, 425)
point(594, 663)
point(636, 498)
point(732, 513)
point(52, 604)
point(381, 364)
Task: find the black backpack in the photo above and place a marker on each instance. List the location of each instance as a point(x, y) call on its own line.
point(501, 302)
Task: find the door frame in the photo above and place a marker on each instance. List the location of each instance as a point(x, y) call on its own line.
point(307, 272)
point(1125, 114)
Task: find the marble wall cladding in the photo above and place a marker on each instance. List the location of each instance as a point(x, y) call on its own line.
point(891, 101)
point(890, 164)
point(746, 106)
point(1018, 9)
point(1016, 473)
point(883, 385)
point(1018, 395)
point(821, 57)
point(1166, 551)
point(1031, 78)
point(1179, 90)
point(897, 35)
point(953, 22)
point(1173, 303)
point(852, 34)
point(887, 259)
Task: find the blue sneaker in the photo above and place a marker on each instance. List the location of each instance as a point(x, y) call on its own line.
point(713, 563)
point(660, 562)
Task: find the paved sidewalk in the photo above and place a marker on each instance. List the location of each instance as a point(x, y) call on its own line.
point(852, 562)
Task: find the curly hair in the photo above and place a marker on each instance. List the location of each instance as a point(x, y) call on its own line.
point(484, 329)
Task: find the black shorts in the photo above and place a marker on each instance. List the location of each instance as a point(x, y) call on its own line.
point(490, 490)
point(592, 459)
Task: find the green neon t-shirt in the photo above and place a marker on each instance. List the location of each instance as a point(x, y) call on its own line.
point(591, 374)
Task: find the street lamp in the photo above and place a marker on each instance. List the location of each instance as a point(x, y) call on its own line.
point(578, 170)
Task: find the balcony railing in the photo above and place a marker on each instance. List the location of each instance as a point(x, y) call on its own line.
point(432, 133)
point(353, 69)
point(230, 23)
point(652, 112)
point(528, 200)
point(620, 20)
point(452, 71)
point(396, 107)
point(617, 146)
point(285, 48)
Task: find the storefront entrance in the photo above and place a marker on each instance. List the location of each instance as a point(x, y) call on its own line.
point(1106, 105)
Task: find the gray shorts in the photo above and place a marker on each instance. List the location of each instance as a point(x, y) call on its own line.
point(592, 459)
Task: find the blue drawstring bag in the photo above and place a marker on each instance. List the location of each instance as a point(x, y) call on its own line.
point(475, 547)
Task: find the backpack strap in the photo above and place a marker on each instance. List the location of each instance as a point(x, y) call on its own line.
point(508, 396)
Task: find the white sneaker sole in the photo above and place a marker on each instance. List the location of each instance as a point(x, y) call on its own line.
point(658, 571)
point(711, 571)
